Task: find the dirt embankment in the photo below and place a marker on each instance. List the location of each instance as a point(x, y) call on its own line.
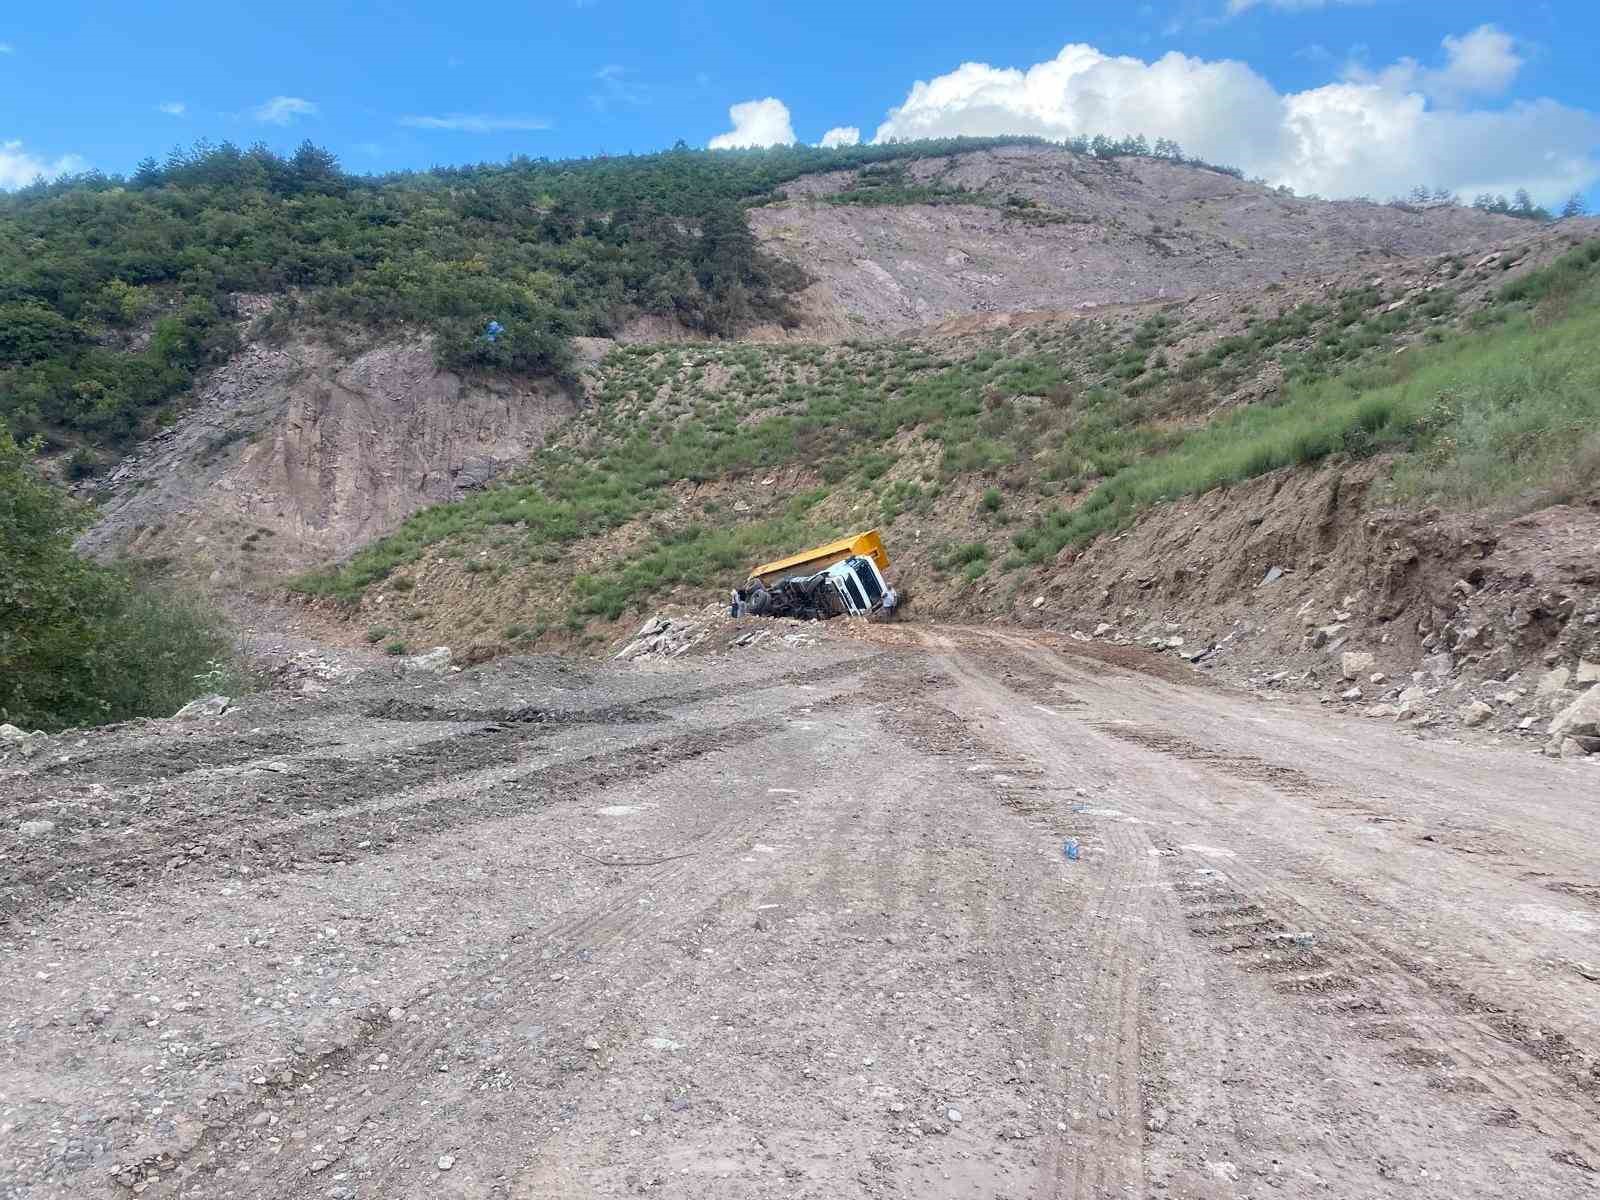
point(1103, 232)
point(1307, 580)
point(298, 454)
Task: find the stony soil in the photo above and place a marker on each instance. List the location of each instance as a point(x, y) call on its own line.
point(795, 920)
point(1136, 230)
point(294, 455)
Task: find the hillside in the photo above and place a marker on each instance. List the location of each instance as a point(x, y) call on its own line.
point(353, 401)
point(994, 451)
point(1006, 353)
point(1023, 228)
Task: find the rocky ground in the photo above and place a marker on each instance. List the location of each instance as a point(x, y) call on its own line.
point(770, 918)
point(1118, 231)
point(295, 454)
point(1301, 582)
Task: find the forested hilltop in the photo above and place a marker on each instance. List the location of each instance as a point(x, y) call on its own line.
point(115, 292)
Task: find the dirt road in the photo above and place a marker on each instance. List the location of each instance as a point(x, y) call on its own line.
point(797, 924)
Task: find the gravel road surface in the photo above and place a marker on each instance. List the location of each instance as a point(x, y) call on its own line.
point(797, 922)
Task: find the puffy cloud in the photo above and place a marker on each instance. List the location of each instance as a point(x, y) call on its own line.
point(18, 168)
point(756, 123)
point(1236, 7)
point(477, 123)
point(281, 110)
point(1216, 108)
point(841, 135)
point(1483, 62)
point(1372, 133)
point(173, 108)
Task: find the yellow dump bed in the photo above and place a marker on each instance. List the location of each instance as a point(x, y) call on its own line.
point(809, 562)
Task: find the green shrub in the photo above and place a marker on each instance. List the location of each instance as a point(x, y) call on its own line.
point(395, 649)
point(84, 644)
point(992, 500)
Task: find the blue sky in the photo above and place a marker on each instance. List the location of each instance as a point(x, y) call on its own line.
point(1336, 97)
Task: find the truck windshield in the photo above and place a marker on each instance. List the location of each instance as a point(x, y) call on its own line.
point(855, 593)
point(868, 577)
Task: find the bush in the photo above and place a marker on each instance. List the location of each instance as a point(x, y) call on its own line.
point(992, 500)
point(84, 644)
point(395, 649)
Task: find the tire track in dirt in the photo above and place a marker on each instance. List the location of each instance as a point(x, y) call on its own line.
point(341, 787)
point(1095, 1056)
point(1436, 1022)
point(359, 1100)
point(589, 936)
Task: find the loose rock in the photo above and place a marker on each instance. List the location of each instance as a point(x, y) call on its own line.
point(1353, 664)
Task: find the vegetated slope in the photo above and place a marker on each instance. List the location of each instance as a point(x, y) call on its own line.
point(995, 450)
point(1014, 228)
point(371, 388)
point(116, 293)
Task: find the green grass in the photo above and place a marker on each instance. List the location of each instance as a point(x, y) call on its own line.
point(1479, 417)
point(1043, 412)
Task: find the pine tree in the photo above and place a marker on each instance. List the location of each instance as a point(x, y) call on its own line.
point(1574, 207)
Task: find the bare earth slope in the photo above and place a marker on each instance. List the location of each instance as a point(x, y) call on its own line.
point(296, 454)
point(545, 932)
point(1125, 230)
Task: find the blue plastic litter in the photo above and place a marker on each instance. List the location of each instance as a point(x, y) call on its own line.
point(493, 330)
point(1069, 849)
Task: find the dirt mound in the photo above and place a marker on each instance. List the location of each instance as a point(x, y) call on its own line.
point(1306, 580)
point(1089, 232)
point(298, 454)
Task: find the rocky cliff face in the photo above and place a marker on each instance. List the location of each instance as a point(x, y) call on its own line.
point(299, 454)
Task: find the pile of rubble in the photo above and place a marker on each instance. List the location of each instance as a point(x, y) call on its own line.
point(665, 637)
point(20, 742)
point(672, 636)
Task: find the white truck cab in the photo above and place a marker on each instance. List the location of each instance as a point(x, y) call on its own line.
point(861, 586)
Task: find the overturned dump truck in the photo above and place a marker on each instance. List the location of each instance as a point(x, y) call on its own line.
point(842, 578)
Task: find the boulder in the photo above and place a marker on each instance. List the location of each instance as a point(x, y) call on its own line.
point(1439, 665)
point(434, 662)
point(36, 828)
point(1571, 748)
point(1587, 673)
point(1353, 664)
point(1475, 714)
point(1581, 718)
point(206, 706)
point(1350, 694)
point(1553, 682)
point(10, 735)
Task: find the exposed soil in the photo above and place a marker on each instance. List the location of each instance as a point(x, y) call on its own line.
point(1125, 230)
point(298, 454)
point(796, 921)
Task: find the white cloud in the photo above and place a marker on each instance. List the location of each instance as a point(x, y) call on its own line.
point(173, 108)
point(1238, 6)
point(1483, 62)
point(281, 110)
point(476, 123)
point(18, 168)
point(841, 135)
point(756, 123)
point(1372, 133)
